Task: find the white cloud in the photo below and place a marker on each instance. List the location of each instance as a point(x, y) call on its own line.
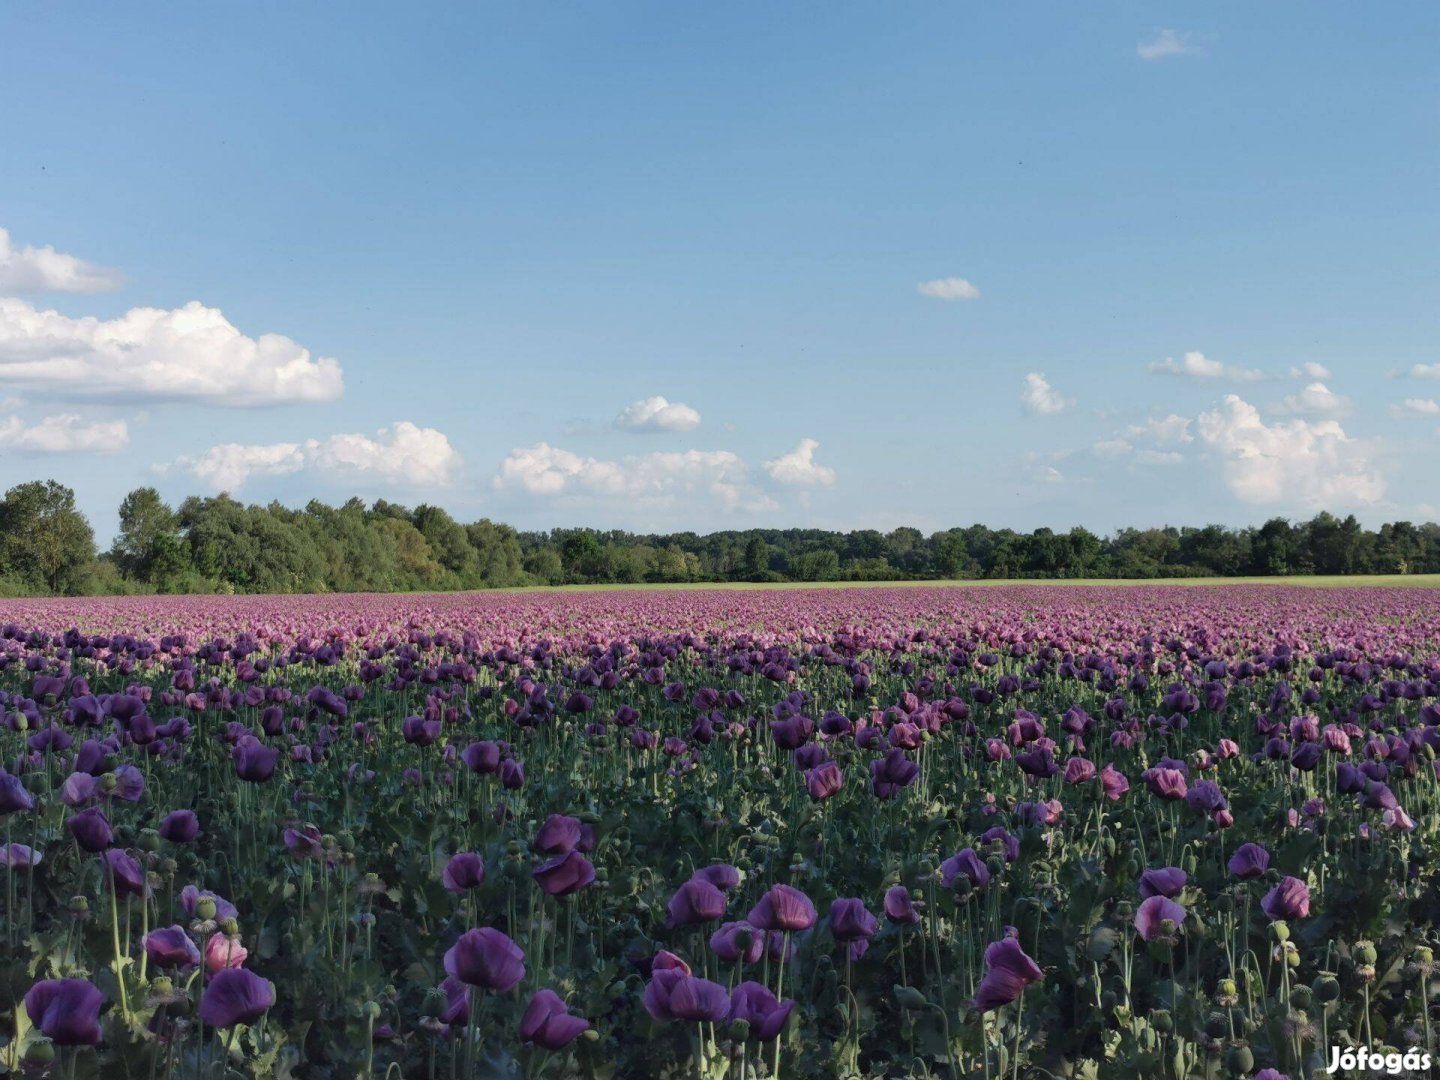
point(43, 269)
point(1159, 457)
point(402, 454)
point(549, 471)
point(656, 414)
point(191, 353)
point(949, 288)
point(1314, 465)
point(1040, 398)
point(1171, 429)
point(64, 434)
point(1165, 43)
point(1317, 399)
point(1417, 407)
point(1197, 365)
point(799, 468)
point(1425, 371)
point(1310, 370)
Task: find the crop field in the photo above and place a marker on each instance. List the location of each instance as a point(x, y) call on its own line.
point(984, 832)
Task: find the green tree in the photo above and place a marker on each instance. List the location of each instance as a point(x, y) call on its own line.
point(45, 541)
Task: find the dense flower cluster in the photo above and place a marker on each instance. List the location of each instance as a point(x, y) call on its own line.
point(1131, 832)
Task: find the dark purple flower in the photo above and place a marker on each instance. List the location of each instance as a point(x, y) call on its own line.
point(1166, 783)
point(91, 829)
point(1153, 913)
point(1249, 861)
point(171, 947)
point(236, 996)
point(512, 775)
point(783, 908)
point(67, 1011)
point(547, 1021)
point(758, 1007)
point(254, 761)
point(180, 826)
point(559, 834)
point(738, 941)
point(698, 999)
point(893, 772)
point(1167, 881)
point(1078, 770)
point(486, 958)
point(967, 863)
point(824, 780)
point(564, 875)
point(852, 925)
point(697, 901)
point(13, 795)
point(666, 970)
point(722, 875)
point(123, 873)
point(1114, 783)
point(1007, 972)
point(1205, 797)
point(899, 908)
point(1288, 900)
point(464, 871)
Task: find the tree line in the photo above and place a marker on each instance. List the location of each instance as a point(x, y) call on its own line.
point(215, 545)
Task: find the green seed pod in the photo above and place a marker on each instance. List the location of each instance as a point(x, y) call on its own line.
point(1225, 903)
point(1423, 953)
point(1217, 1025)
point(41, 1052)
point(1280, 930)
point(149, 840)
point(1365, 954)
point(79, 905)
point(996, 865)
point(370, 1010)
point(1302, 997)
point(229, 927)
point(205, 909)
point(1239, 1060)
point(1190, 863)
point(1161, 1021)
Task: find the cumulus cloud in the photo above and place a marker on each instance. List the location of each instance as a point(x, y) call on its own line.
point(1165, 43)
point(64, 434)
point(550, 471)
point(1040, 398)
point(949, 288)
point(1416, 407)
point(190, 353)
point(1170, 429)
point(654, 414)
point(402, 454)
point(1143, 444)
point(1425, 371)
point(1196, 365)
point(45, 270)
point(1317, 399)
point(1314, 465)
point(1310, 370)
point(799, 468)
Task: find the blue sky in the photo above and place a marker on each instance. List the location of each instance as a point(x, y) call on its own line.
point(1182, 260)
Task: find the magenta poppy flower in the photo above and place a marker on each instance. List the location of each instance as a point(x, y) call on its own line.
point(67, 1011)
point(486, 958)
point(1078, 770)
point(783, 908)
point(824, 780)
point(1114, 783)
point(547, 1022)
point(1166, 783)
point(1008, 970)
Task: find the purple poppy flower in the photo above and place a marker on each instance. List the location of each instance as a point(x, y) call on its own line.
point(1007, 972)
point(1249, 861)
point(1078, 770)
point(666, 970)
point(91, 829)
point(486, 958)
point(13, 796)
point(254, 761)
point(482, 757)
point(78, 789)
point(1166, 783)
point(560, 834)
point(1153, 913)
point(180, 826)
point(1114, 783)
point(852, 925)
point(722, 875)
point(692, 998)
point(697, 901)
point(123, 873)
point(512, 775)
point(191, 895)
point(236, 996)
point(1205, 797)
point(738, 941)
point(564, 875)
point(824, 780)
point(306, 842)
point(1167, 881)
point(547, 1022)
point(67, 1011)
point(1288, 900)
point(171, 947)
point(758, 1007)
point(464, 871)
point(967, 863)
point(899, 908)
point(783, 908)
point(19, 855)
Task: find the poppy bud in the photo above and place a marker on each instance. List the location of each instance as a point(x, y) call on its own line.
point(1239, 1060)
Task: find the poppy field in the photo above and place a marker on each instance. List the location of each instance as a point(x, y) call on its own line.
point(922, 832)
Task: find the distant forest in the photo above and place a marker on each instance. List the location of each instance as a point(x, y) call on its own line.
point(219, 545)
